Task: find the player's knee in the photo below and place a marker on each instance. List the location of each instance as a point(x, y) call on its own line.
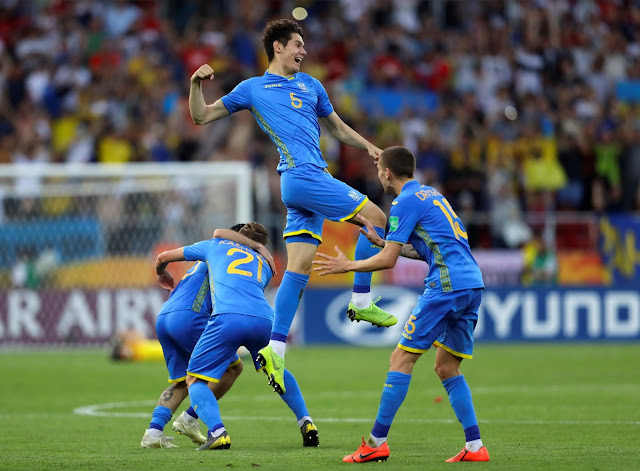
point(190, 380)
point(446, 370)
point(403, 361)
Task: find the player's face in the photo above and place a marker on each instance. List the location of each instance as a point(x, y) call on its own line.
point(293, 54)
point(383, 176)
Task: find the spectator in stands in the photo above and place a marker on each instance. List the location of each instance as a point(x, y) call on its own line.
point(102, 81)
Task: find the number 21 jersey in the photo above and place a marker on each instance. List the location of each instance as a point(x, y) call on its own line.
point(237, 277)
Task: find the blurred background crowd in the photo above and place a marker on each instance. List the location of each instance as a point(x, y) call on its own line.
point(514, 109)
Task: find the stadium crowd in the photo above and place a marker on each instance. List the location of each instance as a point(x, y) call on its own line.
point(536, 103)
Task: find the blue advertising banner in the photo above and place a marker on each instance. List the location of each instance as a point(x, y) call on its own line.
point(536, 314)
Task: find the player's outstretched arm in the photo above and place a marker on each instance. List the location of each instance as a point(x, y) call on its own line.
point(341, 131)
point(165, 279)
point(386, 258)
point(201, 113)
point(234, 236)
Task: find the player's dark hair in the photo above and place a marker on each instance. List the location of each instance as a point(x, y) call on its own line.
point(279, 30)
point(237, 227)
point(255, 231)
point(399, 160)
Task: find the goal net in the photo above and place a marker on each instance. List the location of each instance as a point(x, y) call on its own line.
point(78, 243)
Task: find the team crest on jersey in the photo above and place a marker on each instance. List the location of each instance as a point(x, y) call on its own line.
point(302, 86)
point(354, 195)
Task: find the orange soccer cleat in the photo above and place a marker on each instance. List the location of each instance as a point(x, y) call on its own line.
point(465, 455)
point(366, 453)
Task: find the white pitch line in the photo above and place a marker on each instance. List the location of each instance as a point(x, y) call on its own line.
point(98, 410)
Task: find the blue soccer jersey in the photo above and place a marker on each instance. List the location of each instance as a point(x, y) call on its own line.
point(287, 109)
point(421, 216)
point(192, 292)
point(237, 276)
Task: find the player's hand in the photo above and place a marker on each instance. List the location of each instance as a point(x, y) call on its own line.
point(374, 152)
point(269, 258)
point(166, 281)
point(204, 72)
point(331, 265)
point(369, 232)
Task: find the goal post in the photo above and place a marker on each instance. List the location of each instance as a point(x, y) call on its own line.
point(77, 242)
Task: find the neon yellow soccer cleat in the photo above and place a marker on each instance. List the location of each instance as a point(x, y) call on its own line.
point(273, 366)
point(372, 314)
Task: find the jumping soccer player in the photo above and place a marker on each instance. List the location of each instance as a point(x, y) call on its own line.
point(179, 325)
point(242, 316)
point(446, 313)
point(287, 105)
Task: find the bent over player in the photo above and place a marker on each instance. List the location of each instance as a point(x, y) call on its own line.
point(446, 313)
point(287, 105)
point(241, 316)
point(179, 325)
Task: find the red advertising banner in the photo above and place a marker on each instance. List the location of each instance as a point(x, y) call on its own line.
point(76, 317)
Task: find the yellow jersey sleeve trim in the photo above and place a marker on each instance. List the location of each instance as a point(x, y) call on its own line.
point(410, 350)
point(395, 242)
point(177, 380)
point(289, 234)
point(453, 352)
point(239, 360)
point(355, 211)
point(206, 378)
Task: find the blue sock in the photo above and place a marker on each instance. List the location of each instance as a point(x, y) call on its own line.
point(203, 401)
point(293, 397)
point(393, 394)
point(287, 300)
point(365, 249)
point(192, 413)
point(161, 415)
point(462, 403)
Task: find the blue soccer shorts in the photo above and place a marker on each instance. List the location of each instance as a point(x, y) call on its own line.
point(225, 333)
point(178, 333)
point(312, 195)
point(446, 320)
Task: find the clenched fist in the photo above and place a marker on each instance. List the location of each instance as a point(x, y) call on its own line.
point(204, 72)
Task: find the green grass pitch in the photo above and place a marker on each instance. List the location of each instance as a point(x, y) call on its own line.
point(550, 406)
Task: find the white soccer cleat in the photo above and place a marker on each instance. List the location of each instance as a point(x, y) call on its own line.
point(189, 427)
point(154, 438)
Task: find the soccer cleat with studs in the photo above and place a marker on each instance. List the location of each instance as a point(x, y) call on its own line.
point(465, 455)
point(309, 434)
point(156, 439)
point(273, 366)
point(365, 453)
point(372, 314)
point(189, 428)
point(221, 442)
